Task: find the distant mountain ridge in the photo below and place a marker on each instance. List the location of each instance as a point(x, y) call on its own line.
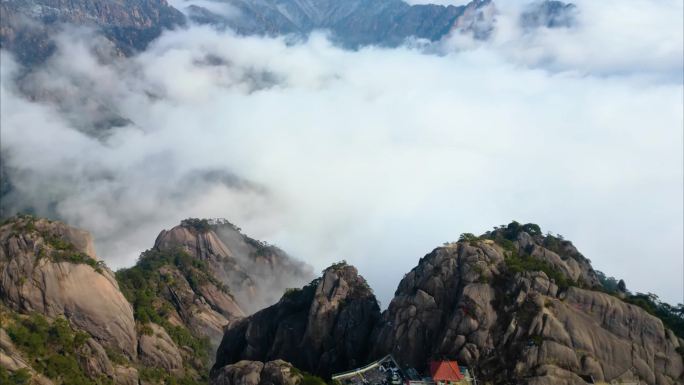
point(353, 23)
point(27, 27)
point(356, 23)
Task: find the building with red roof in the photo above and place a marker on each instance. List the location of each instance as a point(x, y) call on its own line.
point(445, 372)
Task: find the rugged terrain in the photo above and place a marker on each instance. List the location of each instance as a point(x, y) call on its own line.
point(518, 306)
point(357, 23)
point(254, 271)
point(28, 26)
point(67, 319)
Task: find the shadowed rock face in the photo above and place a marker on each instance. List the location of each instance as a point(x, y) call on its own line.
point(322, 328)
point(87, 294)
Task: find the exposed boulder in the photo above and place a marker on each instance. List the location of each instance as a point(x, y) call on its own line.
point(322, 328)
point(276, 372)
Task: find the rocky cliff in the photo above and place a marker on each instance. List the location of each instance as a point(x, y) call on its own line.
point(524, 308)
point(61, 308)
point(325, 327)
point(66, 317)
point(255, 272)
point(50, 268)
point(516, 306)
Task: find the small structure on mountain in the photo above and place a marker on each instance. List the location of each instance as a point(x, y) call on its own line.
point(386, 371)
point(445, 372)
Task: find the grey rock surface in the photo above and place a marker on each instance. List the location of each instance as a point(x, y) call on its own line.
point(276, 372)
point(255, 273)
point(89, 297)
point(157, 349)
point(464, 301)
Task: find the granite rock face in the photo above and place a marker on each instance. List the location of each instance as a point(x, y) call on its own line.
point(51, 269)
point(156, 319)
point(157, 349)
point(322, 328)
point(255, 273)
point(467, 301)
point(513, 304)
point(32, 279)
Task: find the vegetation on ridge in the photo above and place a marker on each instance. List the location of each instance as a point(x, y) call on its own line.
point(53, 349)
point(199, 225)
point(520, 263)
point(672, 316)
point(56, 248)
point(145, 285)
point(308, 378)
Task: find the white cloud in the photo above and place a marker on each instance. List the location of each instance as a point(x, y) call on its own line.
point(610, 37)
point(376, 156)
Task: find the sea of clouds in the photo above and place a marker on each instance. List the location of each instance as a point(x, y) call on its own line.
point(375, 156)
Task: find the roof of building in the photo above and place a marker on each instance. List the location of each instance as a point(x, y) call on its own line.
point(445, 371)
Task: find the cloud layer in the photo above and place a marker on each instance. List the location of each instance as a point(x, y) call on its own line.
point(375, 156)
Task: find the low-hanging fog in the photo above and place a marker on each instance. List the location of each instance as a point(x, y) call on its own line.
point(375, 156)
